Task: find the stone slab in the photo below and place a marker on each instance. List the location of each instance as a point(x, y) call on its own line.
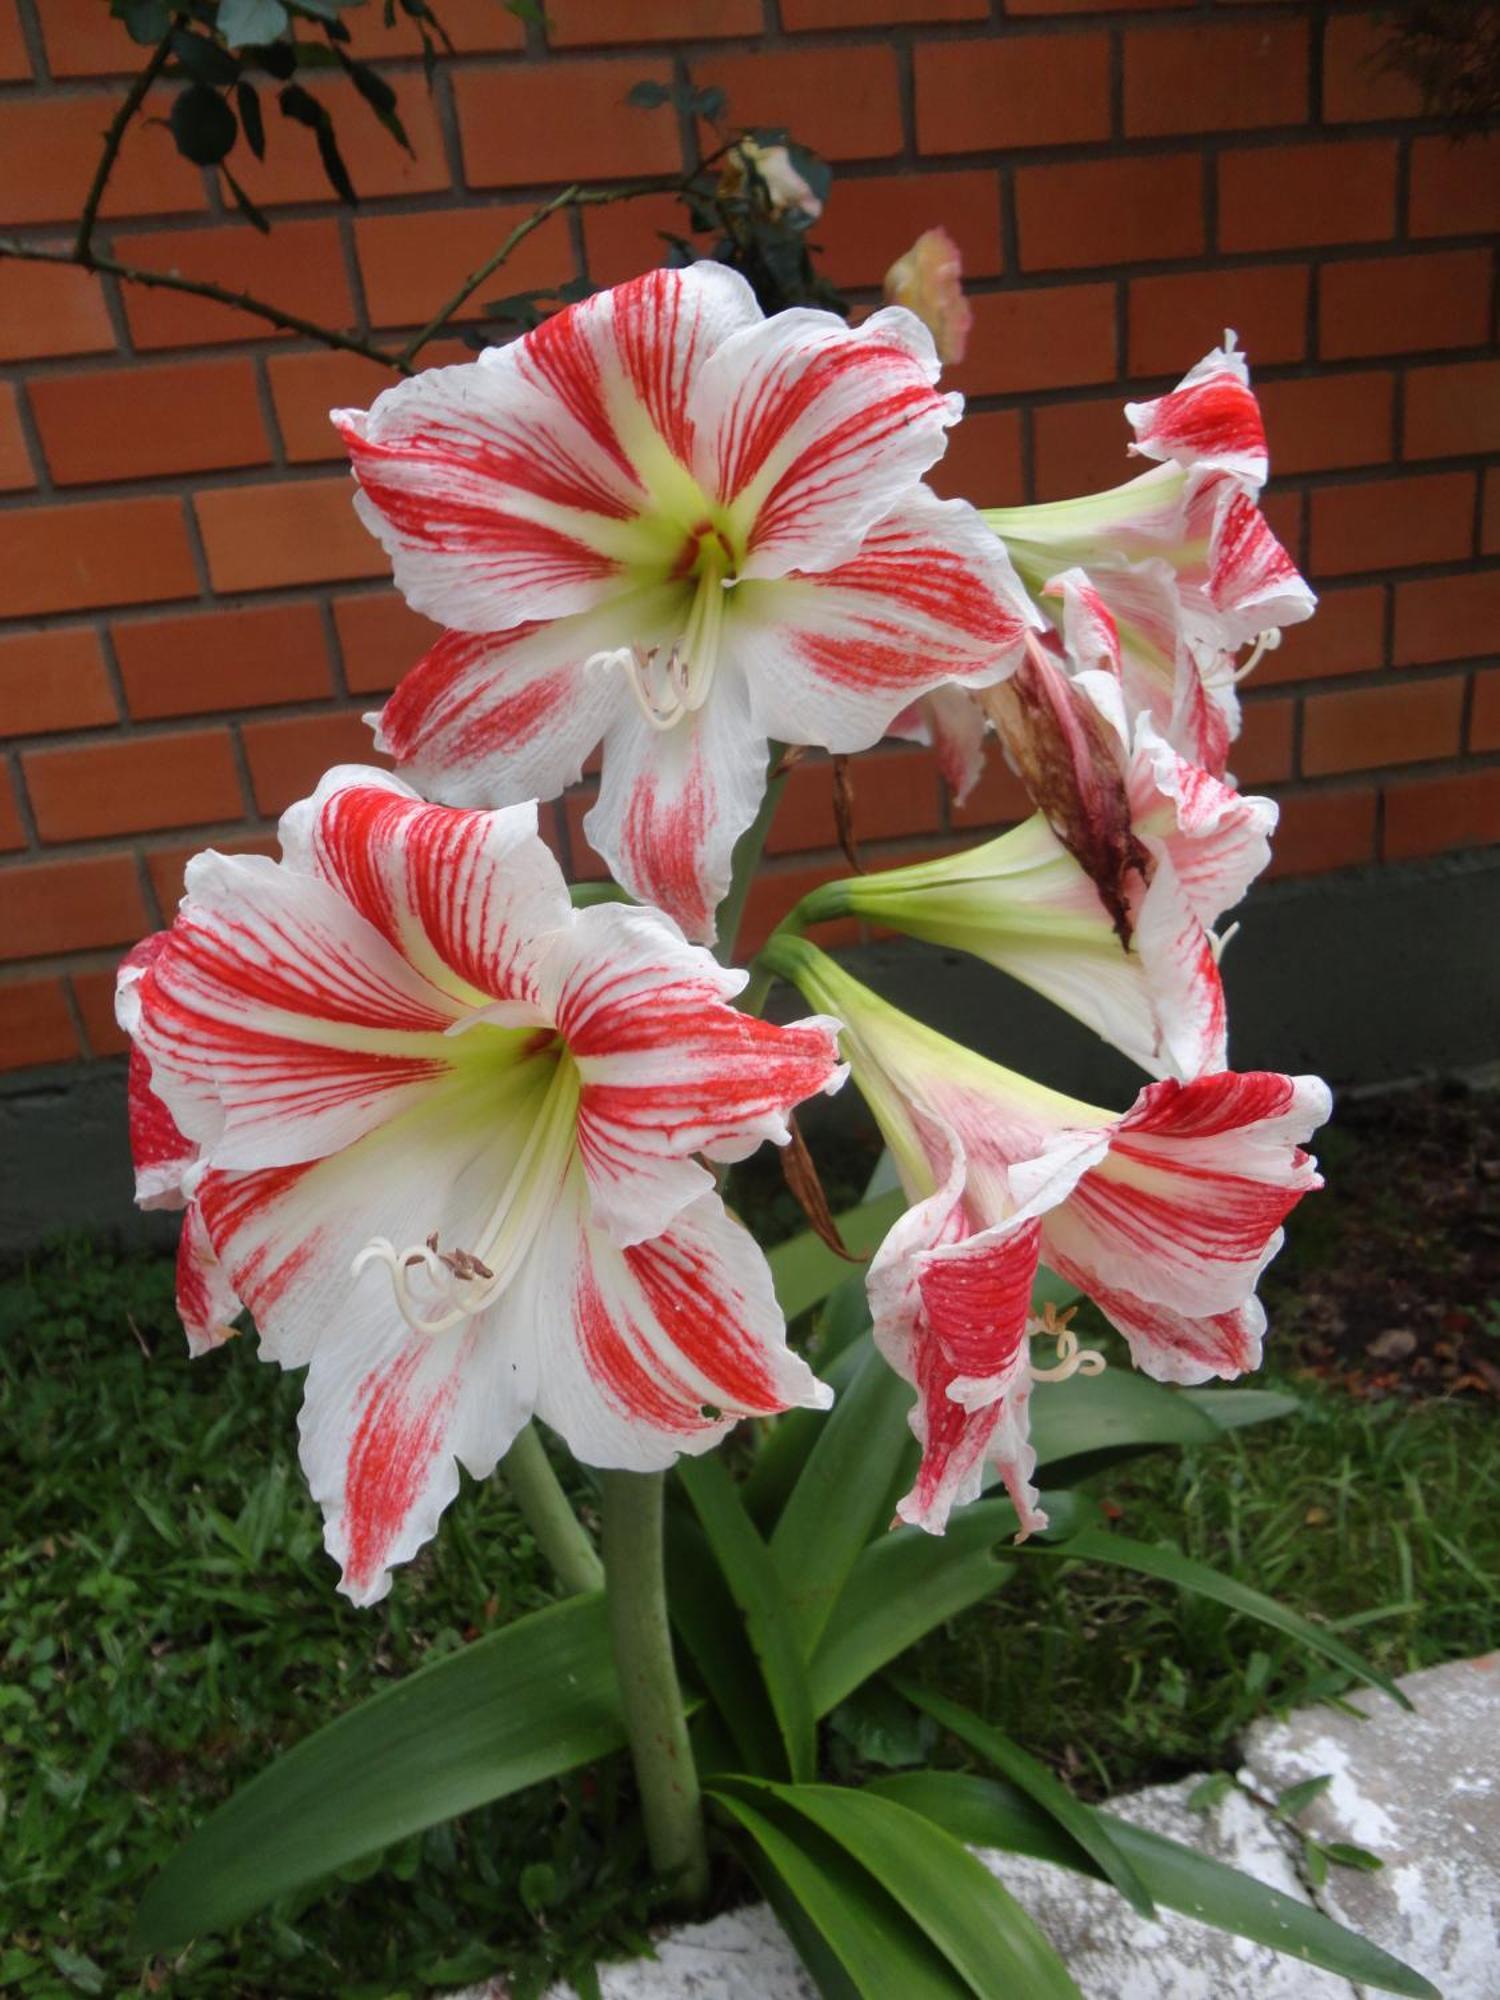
point(1420, 1790)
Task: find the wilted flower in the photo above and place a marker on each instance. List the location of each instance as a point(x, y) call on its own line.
point(786, 192)
point(928, 280)
point(400, 1047)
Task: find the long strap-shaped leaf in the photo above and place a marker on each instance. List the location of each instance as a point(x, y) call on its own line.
point(947, 1893)
point(869, 1937)
point(1041, 1786)
point(707, 1622)
point(985, 1813)
point(527, 1703)
point(1147, 1559)
point(757, 1589)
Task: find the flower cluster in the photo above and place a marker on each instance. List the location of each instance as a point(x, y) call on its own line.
point(443, 1134)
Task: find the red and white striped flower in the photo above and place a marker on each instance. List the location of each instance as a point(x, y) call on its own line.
point(445, 1130)
point(665, 522)
point(1182, 556)
point(1165, 1217)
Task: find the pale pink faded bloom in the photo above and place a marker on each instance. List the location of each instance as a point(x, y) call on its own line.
point(786, 191)
point(446, 1131)
point(665, 522)
point(928, 281)
point(1165, 1216)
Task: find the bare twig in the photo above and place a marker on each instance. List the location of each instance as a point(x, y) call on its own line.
point(83, 243)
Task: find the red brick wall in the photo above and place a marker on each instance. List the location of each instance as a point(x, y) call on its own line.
point(193, 618)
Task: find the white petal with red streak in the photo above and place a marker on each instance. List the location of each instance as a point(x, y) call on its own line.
point(1210, 419)
point(832, 658)
point(1180, 966)
point(673, 802)
point(652, 1351)
point(808, 431)
point(1218, 839)
point(206, 1302)
point(1250, 583)
point(1174, 1348)
point(669, 1069)
point(159, 1153)
point(951, 722)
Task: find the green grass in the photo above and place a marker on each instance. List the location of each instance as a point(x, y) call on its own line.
point(169, 1622)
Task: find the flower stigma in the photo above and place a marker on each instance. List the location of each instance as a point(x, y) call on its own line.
point(1071, 1358)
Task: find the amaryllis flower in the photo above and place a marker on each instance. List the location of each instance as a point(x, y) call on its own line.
point(666, 522)
point(1182, 557)
point(928, 280)
point(1164, 1216)
point(446, 1132)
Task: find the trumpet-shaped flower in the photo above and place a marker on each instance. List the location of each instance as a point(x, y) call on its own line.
point(667, 523)
point(1165, 1216)
point(444, 1132)
point(928, 280)
point(1182, 557)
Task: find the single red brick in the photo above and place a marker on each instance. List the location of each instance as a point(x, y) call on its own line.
point(1320, 423)
point(1025, 90)
point(16, 474)
point(624, 238)
point(575, 24)
point(1393, 305)
point(999, 799)
point(301, 531)
point(1221, 77)
point(133, 784)
point(1392, 523)
point(873, 13)
point(380, 638)
point(1359, 80)
point(472, 27)
point(843, 101)
point(1051, 338)
point(872, 221)
point(35, 1024)
point(983, 461)
point(1484, 716)
point(377, 164)
point(298, 267)
point(1447, 618)
point(15, 63)
point(1080, 448)
point(166, 865)
point(1318, 831)
point(1452, 410)
point(566, 121)
point(127, 423)
point(1174, 318)
point(95, 552)
point(12, 833)
point(1115, 211)
point(201, 662)
point(777, 890)
point(1282, 197)
point(413, 263)
point(1455, 186)
point(1345, 635)
point(75, 905)
point(1360, 729)
point(51, 310)
point(1263, 752)
point(53, 680)
point(288, 757)
point(60, 139)
point(305, 387)
point(1436, 815)
point(94, 993)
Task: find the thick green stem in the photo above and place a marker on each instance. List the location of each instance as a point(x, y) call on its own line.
point(671, 1804)
point(559, 1534)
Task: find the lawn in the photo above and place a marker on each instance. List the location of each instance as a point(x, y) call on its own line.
point(170, 1622)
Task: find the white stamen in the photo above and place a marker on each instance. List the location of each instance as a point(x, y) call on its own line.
point(1071, 1358)
point(666, 691)
point(1265, 642)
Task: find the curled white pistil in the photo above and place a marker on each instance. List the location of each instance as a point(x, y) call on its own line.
point(461, 1285)
point(1265, 642)
point(1071, 1358)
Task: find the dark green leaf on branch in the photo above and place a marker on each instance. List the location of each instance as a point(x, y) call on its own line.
point(146, 21)
point(252, 123)
point(304, 109)
point(243, 203)
point(648, 95)
point(250, 23)
point(1297, 1798)
point(381, 99)
point(203, 60)
point(203, 125)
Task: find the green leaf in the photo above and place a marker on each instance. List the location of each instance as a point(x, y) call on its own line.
point(647, 95)
point(843, 1496)
point(1210, 1791)
point(1297, 1798)
point(243, 203)
point(250, 23)
point(757, 1589)
point(985, 1813)
point(708, 1623)
point(836, 1357)
point(1146, 1559)
point(880, 1728)
point(973, 1921)
point(252, 123)
point(203, 125)
point(203, 60)
point(874, 1946)
point(525, 1704)
point(806, 1270)
point(1041, 1786)
point(304, 109)
point(146, 21)
point(1094, 1418)
point(1232, 1409)
point(1346, 1855)
point(381, 99)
